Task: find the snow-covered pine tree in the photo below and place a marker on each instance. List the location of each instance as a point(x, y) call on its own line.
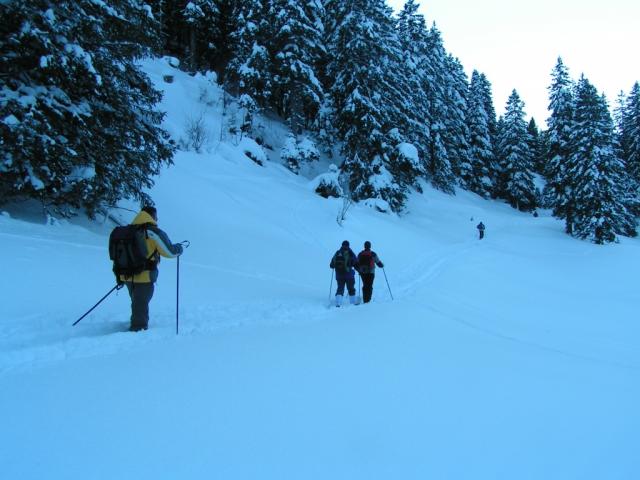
point(414, 43)
point(438, 81)
point(79, 126)
point(627, 120)
point(557, 193)
point(174, 31)
point(364, 83)
point(297, 50)
point(596, 173)
point(222, 43)
point(457, 133)
point(487, 96)
point(250, 70)
point(515, 181)
point(355, 178)
point(536, 146)
point(630, 132)
point(201, 18)
point(476, 174)
point(298, 151)
point(324, 126)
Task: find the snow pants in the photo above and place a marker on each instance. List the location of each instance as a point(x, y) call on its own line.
point(367, 286)
point(140, 294)
point(350, 283)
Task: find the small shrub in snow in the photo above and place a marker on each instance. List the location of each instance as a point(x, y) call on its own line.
point(327, 184)
point(378, 204)
point(196, 133)
point(347, 197)
point(297, 152)
point(248, 109)
point(173, 61)
point(208, 94)
point(253, 151)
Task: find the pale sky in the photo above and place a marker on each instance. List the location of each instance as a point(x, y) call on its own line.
point(516, 44)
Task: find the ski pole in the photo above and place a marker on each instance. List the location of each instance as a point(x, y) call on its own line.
point(185, 244)
point(385, 277)
point(177, 295)
point(117, 287)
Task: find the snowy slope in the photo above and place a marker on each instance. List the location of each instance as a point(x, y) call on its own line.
point(512, 357)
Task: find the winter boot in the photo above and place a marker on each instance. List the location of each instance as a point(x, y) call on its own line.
point(354, 300)
point(338, 300)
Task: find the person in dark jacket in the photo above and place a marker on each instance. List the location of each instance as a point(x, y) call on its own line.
point(367, 261)
point(343, 262)
point(141, 286)
point(480, 228)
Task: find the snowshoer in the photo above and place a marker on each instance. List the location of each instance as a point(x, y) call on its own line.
point(343, 262)
point(480, 228)
point(367, 261)
point(141, 285)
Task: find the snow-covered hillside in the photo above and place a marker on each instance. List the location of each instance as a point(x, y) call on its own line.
point(514, 357)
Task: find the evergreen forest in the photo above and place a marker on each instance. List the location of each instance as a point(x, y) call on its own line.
point(376, 91)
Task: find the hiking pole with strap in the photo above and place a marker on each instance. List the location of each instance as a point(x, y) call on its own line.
point(177, 295)
point(117, 287)
point(185, 244)
point(385, 277)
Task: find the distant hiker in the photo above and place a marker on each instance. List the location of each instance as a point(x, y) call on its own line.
point(343, 262)
point(367, 261)
point(155, 242)
point(480, 228)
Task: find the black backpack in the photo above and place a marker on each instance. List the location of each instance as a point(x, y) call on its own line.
point(128, 251)
point(341, 261)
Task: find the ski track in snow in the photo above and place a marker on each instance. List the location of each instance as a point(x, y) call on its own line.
point(521, 341)
point(433, 265)
point(51, 241)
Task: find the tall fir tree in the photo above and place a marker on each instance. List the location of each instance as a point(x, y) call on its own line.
point(201, 18)
point(367, 94)
point(557, 193)
point(477, 174)
point(79, 122)
point(297, 50)
point(630, 132)
point(173, 27)
point(414, 43)
point(249, 72)
point(628, 135)
point(536, 146)
point(438, 82)
point(456, 132)
point(596, 172)
point(515, 181)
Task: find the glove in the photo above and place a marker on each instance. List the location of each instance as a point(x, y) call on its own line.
point(381, 265)
point(179, 248)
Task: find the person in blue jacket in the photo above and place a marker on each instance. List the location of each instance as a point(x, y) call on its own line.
point(481, 228)
point(343, 262)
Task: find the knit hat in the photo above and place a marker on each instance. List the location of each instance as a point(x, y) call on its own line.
point(345, 243)
point(151, 211)
point(367, 244)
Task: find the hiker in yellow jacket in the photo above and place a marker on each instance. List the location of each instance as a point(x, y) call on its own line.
point(141, 285)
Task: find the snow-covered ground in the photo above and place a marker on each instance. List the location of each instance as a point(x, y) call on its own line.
point(514, 357)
